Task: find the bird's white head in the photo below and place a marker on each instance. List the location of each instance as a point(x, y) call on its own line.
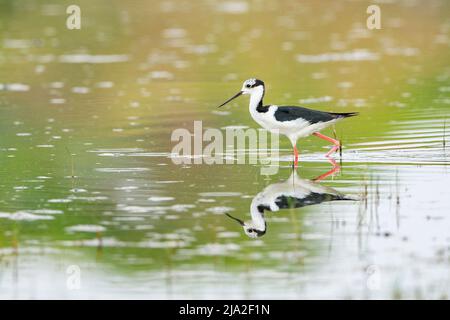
point(250, 228)
point(254, 87)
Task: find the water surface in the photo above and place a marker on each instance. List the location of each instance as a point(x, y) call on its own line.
point(87, 179)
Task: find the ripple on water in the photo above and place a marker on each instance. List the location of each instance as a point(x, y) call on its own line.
point(356, 55)
point(89, 199)
point(219, 210)
point(86, 228)
point(111, 242)
point(130, 219)
point(57, 100)
point(127, 188)
point(155, 209)
point(17, 43)
point(168, 181)
point(213, 249)
point(78, 190)
point(221, 113)
point(103, 242)
point(48, 211)
point(220, 194)
point(104, 84)
point(17, 87)
point(412, 142)
point(228, 234)
point(81, 90)
point(45, 146)
point(88, 58)
point(121, 170)
point(120, 152)
point(233, 7)
point(24, 216)
point(59, 200)
point(160, 199)
point(316, 100)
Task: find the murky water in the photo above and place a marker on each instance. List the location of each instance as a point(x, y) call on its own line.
point(88, 186)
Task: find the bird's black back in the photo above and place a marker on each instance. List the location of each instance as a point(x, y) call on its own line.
point(288, 113)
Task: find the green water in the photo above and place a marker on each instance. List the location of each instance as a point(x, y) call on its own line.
point(86, 171)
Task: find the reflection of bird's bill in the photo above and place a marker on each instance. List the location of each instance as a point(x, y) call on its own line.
point(236, 219)
point(232, 98)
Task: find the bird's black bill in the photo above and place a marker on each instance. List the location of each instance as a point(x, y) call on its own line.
point(235, 219)
point(233, 97)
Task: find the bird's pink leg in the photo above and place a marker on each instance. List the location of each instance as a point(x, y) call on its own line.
point(334, 170)
point(295, 157)
point(336, 143)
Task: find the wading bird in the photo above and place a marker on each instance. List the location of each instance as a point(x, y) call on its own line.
point(294, 122)
point(294, 192)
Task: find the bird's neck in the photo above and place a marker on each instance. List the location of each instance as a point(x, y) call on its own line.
point(256, 99)
point(257, 214)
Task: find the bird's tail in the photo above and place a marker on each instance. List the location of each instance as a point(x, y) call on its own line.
point(344, 115)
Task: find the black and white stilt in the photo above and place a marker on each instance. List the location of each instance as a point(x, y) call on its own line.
point(291, 121)
point(294, 192)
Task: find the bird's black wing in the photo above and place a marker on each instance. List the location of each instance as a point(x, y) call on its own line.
point(285, 113)
point(286, 202)
point(289, 202)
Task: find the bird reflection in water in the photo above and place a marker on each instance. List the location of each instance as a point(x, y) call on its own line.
point(294, 192)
